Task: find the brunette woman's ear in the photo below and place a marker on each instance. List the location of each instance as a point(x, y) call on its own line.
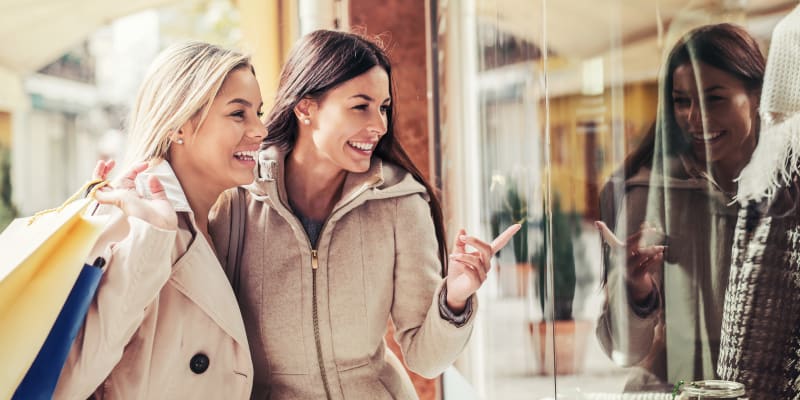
point(303, 110)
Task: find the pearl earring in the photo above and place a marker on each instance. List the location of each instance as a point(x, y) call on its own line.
point(307, 121)
point(179, 141)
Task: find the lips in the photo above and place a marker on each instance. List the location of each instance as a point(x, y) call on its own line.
point(362, 146)
point(707, 136)
point(249, 155)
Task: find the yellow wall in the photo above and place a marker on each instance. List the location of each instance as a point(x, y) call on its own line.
point(5, 130)
point(568, 145)
point(268, 30)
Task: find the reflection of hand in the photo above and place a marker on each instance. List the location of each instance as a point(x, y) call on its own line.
point(640, 256)
point(468, 270)
point(156, 211)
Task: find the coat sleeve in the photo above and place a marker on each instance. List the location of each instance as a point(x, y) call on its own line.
point(139, 263)
point(429, 343)
point(625, 333)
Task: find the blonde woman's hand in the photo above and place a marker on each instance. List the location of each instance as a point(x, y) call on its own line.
point(641, 255)
point(102, 169)
point(468, 270)
point(156, 210)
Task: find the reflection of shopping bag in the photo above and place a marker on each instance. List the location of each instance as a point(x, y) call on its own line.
point(41, 259)
point(40, 381)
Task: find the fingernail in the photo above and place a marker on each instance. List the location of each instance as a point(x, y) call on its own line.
point(462, 238)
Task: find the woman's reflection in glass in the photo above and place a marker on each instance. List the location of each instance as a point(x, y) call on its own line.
point(672, 200)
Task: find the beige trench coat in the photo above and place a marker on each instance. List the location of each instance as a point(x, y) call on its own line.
point(164, 323)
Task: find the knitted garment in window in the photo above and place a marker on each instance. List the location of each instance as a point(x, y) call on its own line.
point(780, 93)
point(776, 157)
point(760, 344)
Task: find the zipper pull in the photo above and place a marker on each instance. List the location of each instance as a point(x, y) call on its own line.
point(314, 263)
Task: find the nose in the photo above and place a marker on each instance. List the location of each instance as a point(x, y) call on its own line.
point(256, 130)
point(378, 124)
point(695, 116)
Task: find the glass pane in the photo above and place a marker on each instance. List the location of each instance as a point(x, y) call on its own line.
point(567, 113)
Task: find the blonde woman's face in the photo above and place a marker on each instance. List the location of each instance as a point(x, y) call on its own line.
point(350, 119)
point(223, 150)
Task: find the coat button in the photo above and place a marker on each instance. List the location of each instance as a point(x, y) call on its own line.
point(199, 363)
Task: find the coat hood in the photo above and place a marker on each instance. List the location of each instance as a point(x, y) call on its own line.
point(384, 178)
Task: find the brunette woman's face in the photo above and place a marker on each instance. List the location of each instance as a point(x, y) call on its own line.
point(715, 112)
point(350, 119)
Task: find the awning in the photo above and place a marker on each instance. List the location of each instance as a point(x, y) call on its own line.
point(577, 28)
point(35, 33)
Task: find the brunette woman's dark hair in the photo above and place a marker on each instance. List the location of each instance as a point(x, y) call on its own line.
point(724, 46)
point(321, 61)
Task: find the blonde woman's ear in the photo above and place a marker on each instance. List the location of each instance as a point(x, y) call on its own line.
point(176, 137)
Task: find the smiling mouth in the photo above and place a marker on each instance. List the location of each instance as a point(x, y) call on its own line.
point(707, 137)
point(245, 155)
point(362, 146)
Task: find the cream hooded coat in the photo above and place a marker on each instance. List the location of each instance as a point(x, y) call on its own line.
point(316, 318)
point(679, 339)
point(164, 323)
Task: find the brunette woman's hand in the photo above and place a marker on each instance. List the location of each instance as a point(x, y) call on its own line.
point(157, 210)
point(641, 255)
point(467, 270)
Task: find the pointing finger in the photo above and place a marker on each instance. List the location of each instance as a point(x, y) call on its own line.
point(608, 235)
point(502, 239)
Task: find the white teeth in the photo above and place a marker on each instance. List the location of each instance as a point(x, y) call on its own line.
point(707, 136)
point(365, 146)
point(246, 155)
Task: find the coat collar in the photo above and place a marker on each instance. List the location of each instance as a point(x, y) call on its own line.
point(199, 279)
point(172, 187)
point(381, 180)
point(682, 174)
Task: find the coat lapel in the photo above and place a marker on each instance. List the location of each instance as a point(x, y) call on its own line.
point(204, 283)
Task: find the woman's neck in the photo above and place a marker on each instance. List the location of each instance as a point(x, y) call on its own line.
point(200, 195)
point(725, 177)
point(726, 171)
point(312, 185)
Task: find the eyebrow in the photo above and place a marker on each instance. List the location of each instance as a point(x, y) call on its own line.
point(367, 98)
point(717, 87)
point(241, 101)
point(711, 89)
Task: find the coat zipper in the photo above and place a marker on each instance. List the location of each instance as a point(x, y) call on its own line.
point(314, 266)
point(314, 312)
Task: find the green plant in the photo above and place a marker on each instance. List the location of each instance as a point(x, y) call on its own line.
point(564, 230)
point(7, 210)
point(513, 210)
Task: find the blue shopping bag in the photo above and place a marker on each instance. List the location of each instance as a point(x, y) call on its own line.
point(40, 380)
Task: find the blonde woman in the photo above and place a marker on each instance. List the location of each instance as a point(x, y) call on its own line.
point(165, 323)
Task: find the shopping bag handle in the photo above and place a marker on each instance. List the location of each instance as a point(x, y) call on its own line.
point(91, 186)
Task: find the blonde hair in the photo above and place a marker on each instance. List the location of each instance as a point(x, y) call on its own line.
point(179, 86)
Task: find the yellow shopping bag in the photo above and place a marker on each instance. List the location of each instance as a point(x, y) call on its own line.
point(40, 259)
